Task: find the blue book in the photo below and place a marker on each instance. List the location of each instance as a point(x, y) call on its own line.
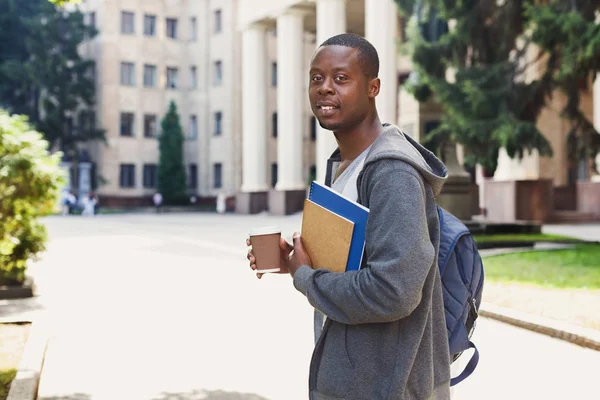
point(351, 210)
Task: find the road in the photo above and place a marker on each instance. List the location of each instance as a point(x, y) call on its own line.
point(164, 307)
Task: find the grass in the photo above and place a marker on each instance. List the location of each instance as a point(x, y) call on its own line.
point(578, 267)
point(12, 342)
point(522, 237)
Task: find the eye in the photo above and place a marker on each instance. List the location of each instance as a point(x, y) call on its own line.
point(341, 78)
point(316, 78)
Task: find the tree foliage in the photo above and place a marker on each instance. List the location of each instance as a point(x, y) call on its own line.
point(42, 73)
point(30, 180)
point(62, 3)
point(171, 170)
point(489, 104)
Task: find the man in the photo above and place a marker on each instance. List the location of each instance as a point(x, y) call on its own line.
point(385, 331)
point(157, 200)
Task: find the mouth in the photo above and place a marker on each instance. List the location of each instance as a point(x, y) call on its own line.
point(326, 109)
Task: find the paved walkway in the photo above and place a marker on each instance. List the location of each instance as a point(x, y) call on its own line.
point(581, 231)
point(147, 307)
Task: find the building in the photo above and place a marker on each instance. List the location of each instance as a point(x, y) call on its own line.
point(149, 53)
point(237, 70)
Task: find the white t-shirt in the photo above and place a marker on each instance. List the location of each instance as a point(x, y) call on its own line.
point(346, 185)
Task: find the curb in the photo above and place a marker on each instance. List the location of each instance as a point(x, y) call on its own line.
point(583, 337)
point(26, 382)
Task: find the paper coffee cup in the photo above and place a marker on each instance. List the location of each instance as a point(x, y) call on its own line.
point(265, 246)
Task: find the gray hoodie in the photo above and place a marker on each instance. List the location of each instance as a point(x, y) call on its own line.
point(385, 335)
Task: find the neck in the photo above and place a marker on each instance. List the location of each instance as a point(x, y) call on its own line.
point(354, 141)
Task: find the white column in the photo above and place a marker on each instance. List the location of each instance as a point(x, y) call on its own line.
point(290, 100)
point(381, 21)
point(254, 109)
point(331, 20)
point(85, 182)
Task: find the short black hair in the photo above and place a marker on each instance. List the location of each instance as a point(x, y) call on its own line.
point(367, 55)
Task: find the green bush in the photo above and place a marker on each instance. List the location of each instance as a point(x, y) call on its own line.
point(30, 180)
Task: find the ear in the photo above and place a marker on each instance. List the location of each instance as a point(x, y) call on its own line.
point(374, 86)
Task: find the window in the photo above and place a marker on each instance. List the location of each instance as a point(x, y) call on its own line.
point(172, 78)
point(172, 28)
point(91, 73)
point(193, 78)
point(127, 175)
point(81, 123)
point(218, 123)
point(273, 174)
point(150, 25)
point(193, 176)
point(92, 19)
point(87, 122)
point(274, 74)
point(313, 172)
point(127, 22)
point(127, 74)
point(218, 79)
point(127, 122)
point(274, 122)
point(149, 75)
point(69, 126)
point(313, 128)
point(403, 26)
point(218, 175)
point(150, 125)
point(150, 173)
point(193, 29)
point(218, 21)
point(193, 130)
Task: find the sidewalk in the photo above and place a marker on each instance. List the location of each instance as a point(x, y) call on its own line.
point(163, 307)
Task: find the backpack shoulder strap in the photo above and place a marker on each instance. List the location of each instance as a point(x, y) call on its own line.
point(471, 365)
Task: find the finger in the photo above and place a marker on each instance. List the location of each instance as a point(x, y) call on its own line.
point(248, 242)
point(297, 240)
point(285, 246)
point(250, 254)
point(259, 275)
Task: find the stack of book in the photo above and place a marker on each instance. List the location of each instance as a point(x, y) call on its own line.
point(333, 229)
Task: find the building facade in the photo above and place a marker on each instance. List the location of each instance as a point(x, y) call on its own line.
point(238, 73)
point(149, 53)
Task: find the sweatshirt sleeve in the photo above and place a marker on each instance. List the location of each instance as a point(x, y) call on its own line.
point(399, 254)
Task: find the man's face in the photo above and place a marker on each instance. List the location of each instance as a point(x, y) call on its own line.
point(339, 92)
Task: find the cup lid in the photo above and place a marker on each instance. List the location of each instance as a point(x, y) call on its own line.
point(265, 230)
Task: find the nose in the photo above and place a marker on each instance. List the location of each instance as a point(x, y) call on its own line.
point(326, 87)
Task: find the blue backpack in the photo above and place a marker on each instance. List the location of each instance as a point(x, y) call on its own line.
point(461, 270)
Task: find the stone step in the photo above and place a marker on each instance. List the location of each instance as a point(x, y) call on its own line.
point(569, 216)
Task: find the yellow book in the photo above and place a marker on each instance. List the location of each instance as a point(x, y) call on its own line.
point(326, 237)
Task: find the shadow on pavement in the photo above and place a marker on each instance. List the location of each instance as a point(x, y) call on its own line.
point(20, 307)
point(74, 396)
point(208, 395)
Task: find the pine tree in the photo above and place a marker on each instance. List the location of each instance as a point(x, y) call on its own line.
point(489, 105)
point(569, 33)
point(171, 170)
point(485, 106)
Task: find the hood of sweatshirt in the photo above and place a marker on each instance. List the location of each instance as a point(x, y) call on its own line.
point(394, 144)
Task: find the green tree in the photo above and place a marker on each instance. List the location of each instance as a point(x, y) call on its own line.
point(171, 170)
point(567, 31)
point(30, 180)
point(43, 73)
point(485, 106)
point(62, 3)
point(17, 91)
point(489, 105)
